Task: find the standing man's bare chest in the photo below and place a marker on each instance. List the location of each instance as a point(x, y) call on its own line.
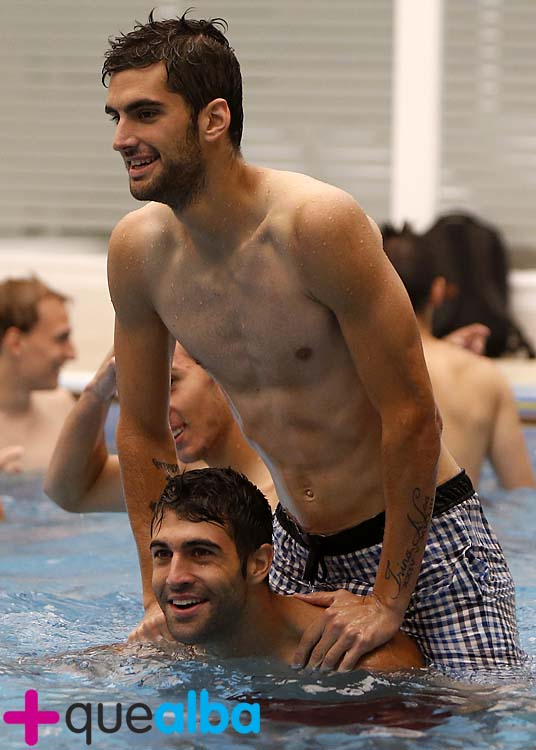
point(246, 316)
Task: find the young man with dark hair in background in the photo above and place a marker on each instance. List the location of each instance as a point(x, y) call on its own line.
point(480, 417)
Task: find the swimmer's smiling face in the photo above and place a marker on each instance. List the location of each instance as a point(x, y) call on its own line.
point(197, 579)
point(199, 416)
point(156, 137)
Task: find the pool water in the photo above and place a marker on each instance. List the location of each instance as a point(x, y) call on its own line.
point(70, 588)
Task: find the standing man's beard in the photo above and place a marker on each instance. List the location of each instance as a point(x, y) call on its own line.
point(182, 180)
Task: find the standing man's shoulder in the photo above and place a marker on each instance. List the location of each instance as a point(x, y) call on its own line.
point(321, 214)
point(311, 200)
point(139, 250)
point(332, 237)
point(143, 235)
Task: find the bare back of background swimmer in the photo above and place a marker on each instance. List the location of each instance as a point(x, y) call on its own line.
point(477, 405)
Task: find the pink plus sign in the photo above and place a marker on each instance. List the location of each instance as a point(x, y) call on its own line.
point(31, 717)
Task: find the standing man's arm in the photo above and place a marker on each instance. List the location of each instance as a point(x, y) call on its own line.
point(143, 352)
point(346, 269)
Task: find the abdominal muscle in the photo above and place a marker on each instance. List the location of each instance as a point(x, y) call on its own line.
point(325, 460)
point(326, 470)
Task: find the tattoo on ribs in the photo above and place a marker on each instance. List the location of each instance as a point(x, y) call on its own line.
point(423, 506)
point(171, 470)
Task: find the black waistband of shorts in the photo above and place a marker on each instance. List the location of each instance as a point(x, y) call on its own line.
point(370, 532)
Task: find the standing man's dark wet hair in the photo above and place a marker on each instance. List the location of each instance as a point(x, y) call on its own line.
point(201, 64)
point(413, 260)
point(221, 496)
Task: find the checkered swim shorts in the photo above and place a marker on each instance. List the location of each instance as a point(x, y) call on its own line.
point(462, 613)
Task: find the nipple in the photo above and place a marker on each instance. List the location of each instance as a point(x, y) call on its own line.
point(304, 353)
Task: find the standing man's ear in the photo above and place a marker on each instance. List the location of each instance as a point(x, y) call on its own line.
point(259, 563)
point(214, 121)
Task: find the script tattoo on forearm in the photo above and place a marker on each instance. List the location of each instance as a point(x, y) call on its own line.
point(419, 518)
point(171, 470)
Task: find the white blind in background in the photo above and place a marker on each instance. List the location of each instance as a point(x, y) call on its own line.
point(489, 114)
point(317, 80)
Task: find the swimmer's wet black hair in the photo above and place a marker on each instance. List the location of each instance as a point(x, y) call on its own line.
point(221, 496)
point(201, 64)
point(413, 260)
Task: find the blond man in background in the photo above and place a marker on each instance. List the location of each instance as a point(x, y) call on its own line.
point(35, 343)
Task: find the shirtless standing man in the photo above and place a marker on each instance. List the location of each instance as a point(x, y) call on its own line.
point(278, 285)
point(480, 417)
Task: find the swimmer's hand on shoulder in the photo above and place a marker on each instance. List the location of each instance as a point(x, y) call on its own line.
point(153, 628)
point(472, 337)
point(351, 626)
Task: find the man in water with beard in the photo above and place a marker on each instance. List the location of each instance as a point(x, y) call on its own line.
point(212, 549)
point(278, 286)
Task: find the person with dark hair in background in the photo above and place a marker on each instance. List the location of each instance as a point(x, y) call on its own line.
point(479, 413)
point(471, 256)
point(212, 550)
point(35, 343)
point(278, 286)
